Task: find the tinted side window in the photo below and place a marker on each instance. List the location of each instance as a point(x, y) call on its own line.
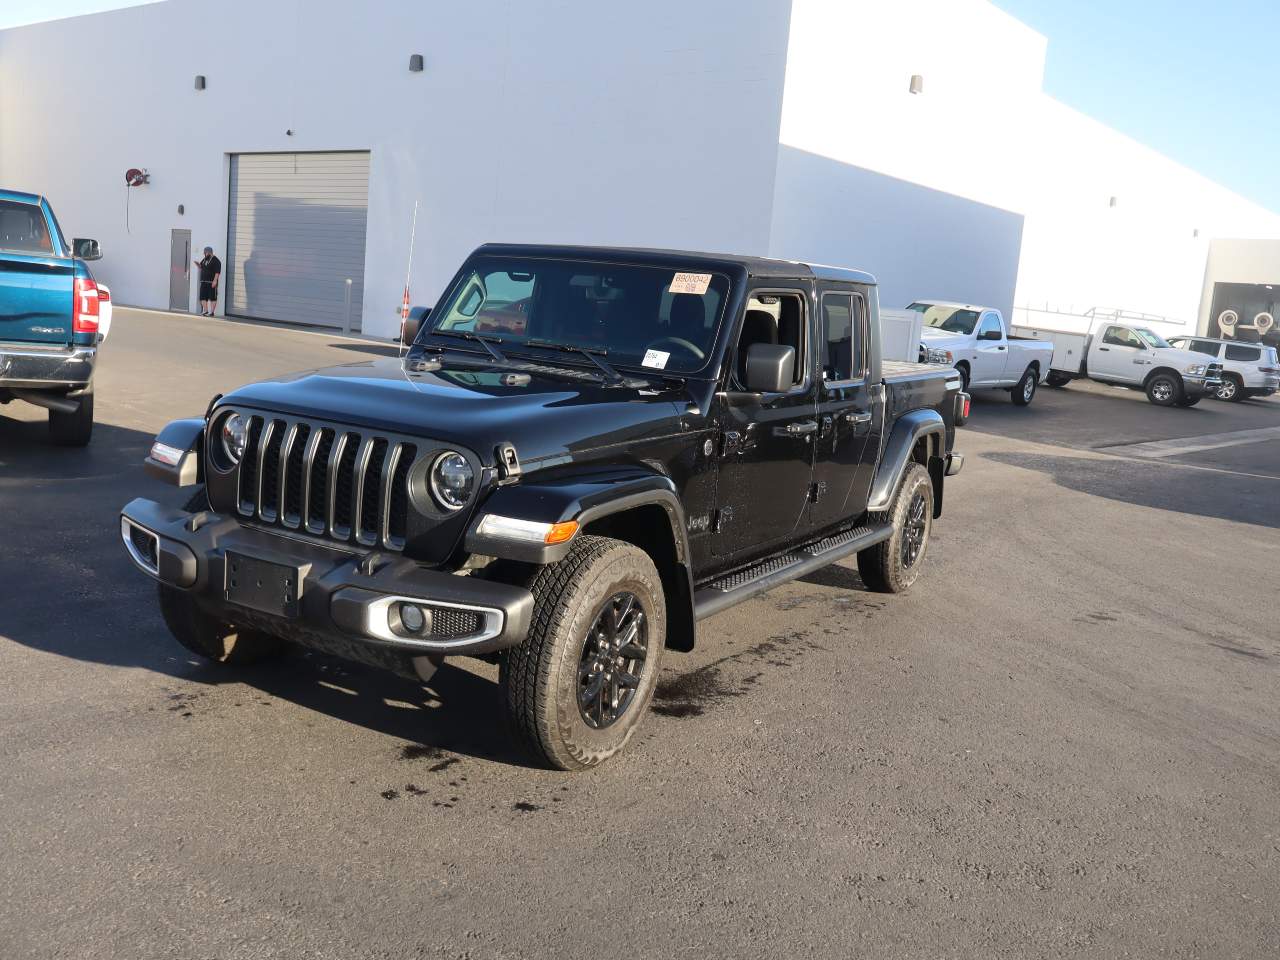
point(1121, 337)
point(1203, 346)
point(1235, 352)
point(842, 338)
point(22, 228)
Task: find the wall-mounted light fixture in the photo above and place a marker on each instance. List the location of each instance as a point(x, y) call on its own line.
point(415, 63)
point(1195, 232)
point(1113, 202)
point(181, 209)
point(199, 81)
point(917, 83)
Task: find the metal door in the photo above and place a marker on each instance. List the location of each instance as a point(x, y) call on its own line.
point(296, 237)
point(1120, 356)
point(180, 270)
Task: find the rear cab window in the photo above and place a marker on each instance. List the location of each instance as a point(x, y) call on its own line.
point(23, 229)
point(843, 339)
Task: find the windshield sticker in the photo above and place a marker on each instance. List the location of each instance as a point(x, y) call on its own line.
point(695, 283)
point(656, 359)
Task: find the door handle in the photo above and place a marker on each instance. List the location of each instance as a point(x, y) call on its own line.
point(801, 429)
point(857, 419)
point(1000, 347)
point(1104, 349)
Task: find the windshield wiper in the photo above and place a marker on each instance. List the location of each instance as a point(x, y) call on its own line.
point(486, 342)
point(594, 354)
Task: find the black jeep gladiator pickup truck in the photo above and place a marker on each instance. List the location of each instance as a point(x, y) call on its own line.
point(584, 452)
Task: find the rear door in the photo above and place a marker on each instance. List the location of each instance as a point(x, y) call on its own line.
point(847, 408)
point(991, 351)
point(35, 282)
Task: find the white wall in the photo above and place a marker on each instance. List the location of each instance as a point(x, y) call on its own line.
point(545, 120)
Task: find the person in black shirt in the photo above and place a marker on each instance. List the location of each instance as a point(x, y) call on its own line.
point(210, 273)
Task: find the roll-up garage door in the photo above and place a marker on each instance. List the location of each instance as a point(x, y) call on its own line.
point(295, 237)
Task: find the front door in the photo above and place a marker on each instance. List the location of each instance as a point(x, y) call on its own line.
point(180, 270)
point(767, 439)
point(1120, 356)
point(848, 412)
point(990, 352)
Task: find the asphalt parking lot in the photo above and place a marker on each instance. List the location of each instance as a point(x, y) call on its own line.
point(1063, 742)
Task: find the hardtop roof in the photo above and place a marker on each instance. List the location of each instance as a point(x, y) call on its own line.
point(19, 196)
point(754, 266)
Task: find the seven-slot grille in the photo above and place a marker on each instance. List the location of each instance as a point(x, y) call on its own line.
point(326, 480)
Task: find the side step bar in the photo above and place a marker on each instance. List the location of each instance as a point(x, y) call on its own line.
point(745, 584)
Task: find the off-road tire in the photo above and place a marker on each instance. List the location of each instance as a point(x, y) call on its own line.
point(1057, 379)
point(1157, 393)
point(211, 638)
point(1232, 389)
point(882, 567)
point(1024, 391)
point(540, 677)
point(73, 429)
point(203, 634)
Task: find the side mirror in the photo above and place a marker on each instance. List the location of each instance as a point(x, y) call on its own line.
point(413, 323)
point(989, 335)
point(83, 249)
point(770, 367)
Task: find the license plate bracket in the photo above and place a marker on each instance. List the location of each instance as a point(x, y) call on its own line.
point(262, 585)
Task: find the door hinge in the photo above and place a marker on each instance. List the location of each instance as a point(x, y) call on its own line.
point(817, 491)
point(730, 442)
point(723, 516)
point(508, 463)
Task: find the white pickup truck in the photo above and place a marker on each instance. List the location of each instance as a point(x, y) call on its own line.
point(1130, 355)
point(976, 341)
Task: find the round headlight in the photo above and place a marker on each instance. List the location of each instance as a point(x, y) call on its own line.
point(235, 433)
point(452, 480)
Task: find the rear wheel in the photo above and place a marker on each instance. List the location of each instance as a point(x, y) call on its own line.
point(1024, 390)
point(73, 429)
point(579, 684)
point(1164, 390)
point(1056, 379)
point(893, 565)
point(1232, 390)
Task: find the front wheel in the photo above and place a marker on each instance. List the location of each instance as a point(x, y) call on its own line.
point(893, 565)
point(211, 638)
point(1024, 390)
point(579, 684)
point(1231, 390)
point(73, 429)
point(1164, 390)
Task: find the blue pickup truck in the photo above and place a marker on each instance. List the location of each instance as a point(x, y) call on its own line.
point(49, 315)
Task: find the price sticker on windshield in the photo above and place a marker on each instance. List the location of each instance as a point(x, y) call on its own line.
point(695, 283)
point(655, 359)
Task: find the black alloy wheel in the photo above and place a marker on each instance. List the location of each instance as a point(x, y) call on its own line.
point(914, 531)
point(612, 661)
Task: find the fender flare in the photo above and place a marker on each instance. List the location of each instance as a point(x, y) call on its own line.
point(187, 437)
point(908, 430)
point(583, 498)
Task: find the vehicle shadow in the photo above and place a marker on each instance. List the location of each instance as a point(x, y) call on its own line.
point(1164, 486)
point(69, 589)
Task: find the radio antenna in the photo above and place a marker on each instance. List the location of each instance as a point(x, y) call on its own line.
point(408, 275)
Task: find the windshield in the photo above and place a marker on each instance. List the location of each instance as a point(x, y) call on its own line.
point(1151, 337)
point(950, 319)
point(653, 317)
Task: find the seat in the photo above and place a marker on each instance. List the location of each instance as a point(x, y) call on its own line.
point(686, 318)
point(758, 326)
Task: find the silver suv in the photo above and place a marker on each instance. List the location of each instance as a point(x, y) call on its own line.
point(1248, 369)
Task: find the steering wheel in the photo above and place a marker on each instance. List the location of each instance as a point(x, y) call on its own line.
point(681, 342)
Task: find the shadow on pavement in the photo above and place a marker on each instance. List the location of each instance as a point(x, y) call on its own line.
point(1162, 486)
point(69, 589)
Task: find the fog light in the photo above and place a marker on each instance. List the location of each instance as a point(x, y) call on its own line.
point(412, 618)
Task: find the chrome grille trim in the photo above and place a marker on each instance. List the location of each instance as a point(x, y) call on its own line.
point(367, 469)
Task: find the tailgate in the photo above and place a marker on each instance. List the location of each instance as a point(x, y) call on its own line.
point(35, 298)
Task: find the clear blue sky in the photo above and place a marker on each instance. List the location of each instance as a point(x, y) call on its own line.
point(1198, 81)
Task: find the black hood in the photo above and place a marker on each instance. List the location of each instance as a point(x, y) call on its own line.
point(476, 406)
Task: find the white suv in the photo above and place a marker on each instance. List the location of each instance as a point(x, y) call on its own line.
point(1248, 369)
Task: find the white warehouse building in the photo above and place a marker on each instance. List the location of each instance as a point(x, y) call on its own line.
point(910, 138)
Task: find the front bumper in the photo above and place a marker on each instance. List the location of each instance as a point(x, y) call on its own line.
point(1200, 386)
point(341, 602)
point(37, 367)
